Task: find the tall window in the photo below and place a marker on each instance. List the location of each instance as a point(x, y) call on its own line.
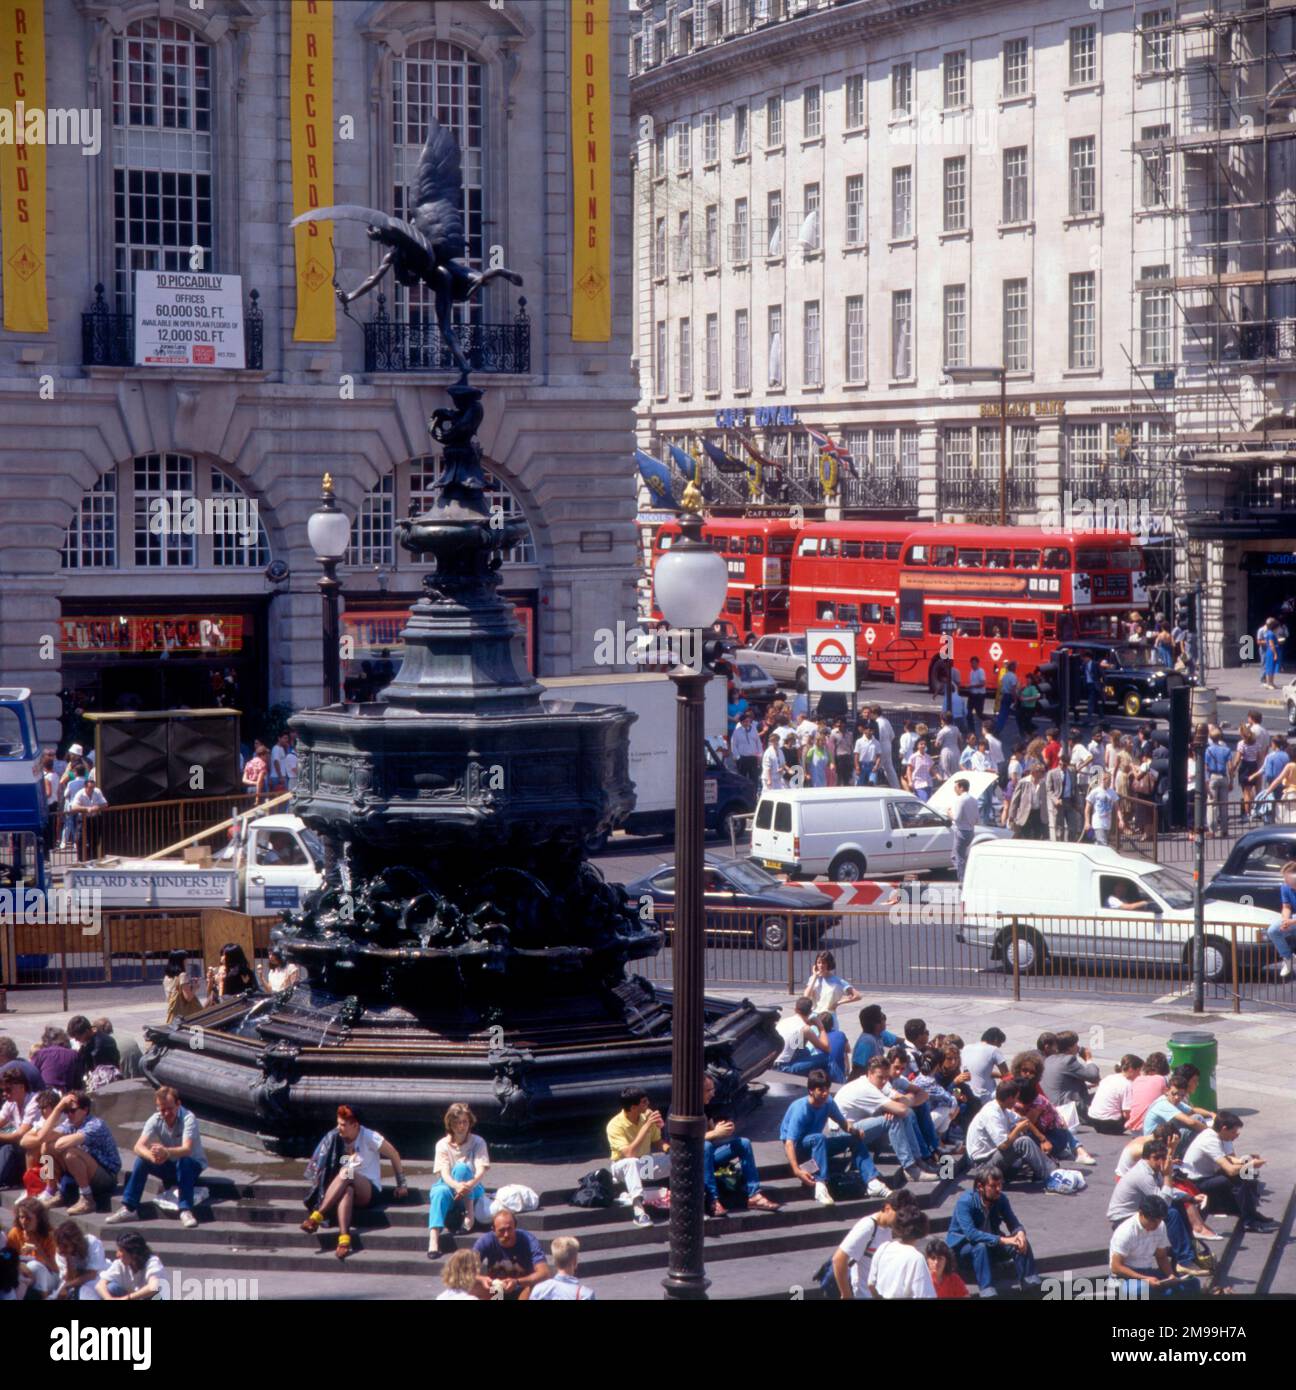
point(811, 345)
point(1084, 176)
point(659, 150)
point(740, 132)
point(91, 539)
point(956, 461)
point(909, 440)
point(711, 381)
point(855, 102)
point(1016, 191)
point(711, 229)
point(855, 224)
point(661, 361)
point(1156, 168)
point(659, 247)
point(884, 453)
point(1084, 55)
point(710, 137)
point(811, 113)
point(773, 122)
point(902, 334)
point(955, 79)
point(1016, 326)
point(437, 79)
point(373, 541)
point(233, 545)
point(168, 478)
point(856, 340)
point(956, 194)
point(740, 232)
point(742, 350)
point(162, 151)
point(683, 147)
point(811, 235)
point(1024, 454)
point(955, 325)
point(685, 374)
point(775, 333)
point(1155, 319)
point(1083, 334)
point(774, 223)
point(1016, 67)
point(1084, 451)
point(684, 244)
point(901, 91)
point(902, 202)
point(1158, 40)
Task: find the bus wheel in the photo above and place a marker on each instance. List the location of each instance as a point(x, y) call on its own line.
point(847, 868)
point(1131, 704)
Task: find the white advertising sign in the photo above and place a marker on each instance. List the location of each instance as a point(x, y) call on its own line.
point(188, 318)
point(831, 655)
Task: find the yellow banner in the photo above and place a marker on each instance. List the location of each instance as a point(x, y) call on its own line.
point(311, 98)
point(591, 78)
point(22, 164)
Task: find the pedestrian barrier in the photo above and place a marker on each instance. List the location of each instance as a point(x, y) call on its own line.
point(138, 828)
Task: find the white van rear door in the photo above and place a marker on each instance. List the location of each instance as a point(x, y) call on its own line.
point(772, 834)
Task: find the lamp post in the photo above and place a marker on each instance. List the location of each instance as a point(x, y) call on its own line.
point(1199, 738)
point(690, 582)
point(329, 531)
point(999, 374)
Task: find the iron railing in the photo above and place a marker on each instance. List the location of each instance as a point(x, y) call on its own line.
point(392, 345)
point(1151, 484)
point(981, 494)
point(136, 829)
point(108, 339)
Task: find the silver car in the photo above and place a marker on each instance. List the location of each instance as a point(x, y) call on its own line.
point(782, 655)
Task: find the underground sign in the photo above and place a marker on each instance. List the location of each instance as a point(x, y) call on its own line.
point(832, 660)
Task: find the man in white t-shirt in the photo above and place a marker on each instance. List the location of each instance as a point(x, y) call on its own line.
point(899, 1269)
point(998, 1137)
point(773, 763)
point(985, 1062)
point(1100, 807)
point(967, 816)
point(798, 1034)
point(1214, 1167)
point(886, 742)
point(876, 1113)
point(805, 732)
point(852, 1258)
point(868, 758)
point(1139, 1254)
point(976, 692)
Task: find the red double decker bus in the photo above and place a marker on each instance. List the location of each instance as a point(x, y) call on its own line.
point(844, 574)
point(758, 554)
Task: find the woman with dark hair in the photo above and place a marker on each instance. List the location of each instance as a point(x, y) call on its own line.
point(277, 974)
point(81, 1260)
point(944, 1271)
point(135, 1275)
point(181, 988)
point(232, 977)
point(825, 989)
point(32, 1241)
point(347, 1170)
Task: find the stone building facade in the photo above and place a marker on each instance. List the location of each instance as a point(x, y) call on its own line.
point(196, 151)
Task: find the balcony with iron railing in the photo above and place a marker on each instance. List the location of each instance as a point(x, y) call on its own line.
point(975, 493)
point(1147, 483)
point(108, 338)
point(396, 345)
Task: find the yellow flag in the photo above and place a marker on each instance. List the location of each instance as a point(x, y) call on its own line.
point(22, 166)
point(591, 107)
point(311, 98)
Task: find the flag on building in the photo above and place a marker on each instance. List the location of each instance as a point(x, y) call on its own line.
point(683, 462)
point(845, 459)
point(764, 461)
point(724, 463)
point(656, 477)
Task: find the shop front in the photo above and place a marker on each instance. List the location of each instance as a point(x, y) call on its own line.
point(1271, 588)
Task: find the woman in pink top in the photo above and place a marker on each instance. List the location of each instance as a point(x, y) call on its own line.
point(1146, 1090)
point(920, 772)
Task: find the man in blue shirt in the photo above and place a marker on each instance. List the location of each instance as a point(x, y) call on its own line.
point(983, 1231)
point(1282, 930)
point(802, 1133)
point(831, 1056)
point(874, 1037)
point(1218, 780)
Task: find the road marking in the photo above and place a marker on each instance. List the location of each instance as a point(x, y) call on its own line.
point(1173, 998)
point(952, 969)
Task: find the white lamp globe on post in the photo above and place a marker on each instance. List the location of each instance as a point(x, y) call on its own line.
point(690, 582)
point(329, 533)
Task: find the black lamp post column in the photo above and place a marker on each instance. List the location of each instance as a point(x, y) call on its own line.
point(330, 587)
point(1200, 736)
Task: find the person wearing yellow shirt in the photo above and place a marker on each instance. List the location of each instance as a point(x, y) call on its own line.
point(634, 1133)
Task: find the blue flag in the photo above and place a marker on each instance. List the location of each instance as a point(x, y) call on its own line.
point(682, 461)
point(657, 477)
point(723, 462)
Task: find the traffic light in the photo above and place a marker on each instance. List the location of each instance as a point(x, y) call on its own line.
point(1186, 611)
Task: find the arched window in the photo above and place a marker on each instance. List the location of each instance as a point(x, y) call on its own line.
point(239, 539)
point(162, 154)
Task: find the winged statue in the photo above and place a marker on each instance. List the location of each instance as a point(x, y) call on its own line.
point(430, 249)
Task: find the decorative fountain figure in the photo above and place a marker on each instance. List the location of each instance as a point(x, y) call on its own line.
point(463, 949)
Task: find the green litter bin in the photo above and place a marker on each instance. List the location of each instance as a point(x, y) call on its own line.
point(1202, 1050)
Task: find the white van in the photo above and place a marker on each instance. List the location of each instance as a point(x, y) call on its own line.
point(1088, 902)
point(850, 833)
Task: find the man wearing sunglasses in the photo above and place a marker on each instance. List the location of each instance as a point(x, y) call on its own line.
point(88, 1152)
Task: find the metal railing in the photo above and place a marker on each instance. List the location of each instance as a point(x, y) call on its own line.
point(138, 828)
point(391, 345)
point(981, 494)
point(108, 339)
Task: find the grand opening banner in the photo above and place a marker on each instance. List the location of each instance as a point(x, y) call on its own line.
point(591, 107)
point(22, 168)
point(311, 102)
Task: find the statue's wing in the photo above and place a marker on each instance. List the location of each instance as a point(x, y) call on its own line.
point(372, 217)
point(438, 192)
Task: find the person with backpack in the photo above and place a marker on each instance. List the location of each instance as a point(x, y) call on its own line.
point(723, 1145)
point(846, 1275)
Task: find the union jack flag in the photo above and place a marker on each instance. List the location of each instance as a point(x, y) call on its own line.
point(845, 459)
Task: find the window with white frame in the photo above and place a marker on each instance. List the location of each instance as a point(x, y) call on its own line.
point(856, 339)
point(711, 381)
point(685, 358)
point(684, 34)
point(884, 453)
point(1016, 67)
point(987, 450)
point(1158, 40)
point(1156, 167)
point(957, 454)
point(711, 234)
point(1083, 325)
point(902, 334)
point(901, 91)
point(162, 151)
point(659, 248)
point(811, 234)
point(742, 350)
point(909, 440)
point(683, 147)
point(1016, 189)
point(774, 322)
point(660, 133)
point(1155, 319)
point(661, 361)
point(163, 482)
point(684, 244)
point(902, 202)
point(710, 137)
point(1084, 55)
point(426, 473)
point(812, 113)
point(636, 55)
point(1084, 176)
point(373, 539)
point(740, 232)
point(774, 222)
point(955, 205)
point(773, 122)
point(659, 45)
point(800, 461)
point(954, 72)
point(1084, 453)
point(741, 135)
point(856, 107)
point(1016, 326)
point(811, 345)
point(239, 539)
point(955, 322)
point(91, 538)
point(1024, 453)
point(856, 226)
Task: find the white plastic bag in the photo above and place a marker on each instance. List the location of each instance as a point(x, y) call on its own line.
point(514, 1197)
point(1069, 1114)
point(170, 1199)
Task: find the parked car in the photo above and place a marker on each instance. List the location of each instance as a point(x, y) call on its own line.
point(741, 884)
point(850, 833)
point(782, 655)
point(1252, 874)
point(755, 684)
point(1061, 894)
point(1130, 676)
